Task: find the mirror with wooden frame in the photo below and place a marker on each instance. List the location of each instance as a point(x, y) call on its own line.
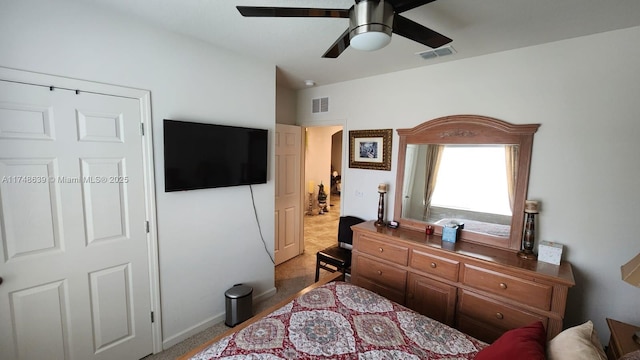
point(466, 169)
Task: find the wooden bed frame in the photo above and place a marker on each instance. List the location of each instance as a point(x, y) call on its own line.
point(324, 280)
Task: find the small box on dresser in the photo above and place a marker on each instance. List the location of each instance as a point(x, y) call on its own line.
point(450, 233)
point(550, 252)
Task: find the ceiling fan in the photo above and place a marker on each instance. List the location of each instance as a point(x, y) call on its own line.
point(371, 23)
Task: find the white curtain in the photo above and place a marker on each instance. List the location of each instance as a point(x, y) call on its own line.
point(434, 155)
point(410, 163)
point(512, 153)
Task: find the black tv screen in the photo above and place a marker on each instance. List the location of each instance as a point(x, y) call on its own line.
point(200, 156)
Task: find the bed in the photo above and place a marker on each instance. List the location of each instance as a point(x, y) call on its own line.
point(339, 320)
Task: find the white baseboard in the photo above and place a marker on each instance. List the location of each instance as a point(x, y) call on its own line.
point(183, 335)
point(265, 295)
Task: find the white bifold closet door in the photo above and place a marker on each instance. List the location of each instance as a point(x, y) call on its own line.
point(73, 254)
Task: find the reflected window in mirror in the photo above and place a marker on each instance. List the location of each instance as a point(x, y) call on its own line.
point(485, 204)
point(467, 169)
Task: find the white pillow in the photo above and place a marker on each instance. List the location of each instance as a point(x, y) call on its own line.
point(579, 342)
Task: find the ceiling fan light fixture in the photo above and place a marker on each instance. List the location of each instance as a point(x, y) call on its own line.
point(370, 24)
point(370, 40)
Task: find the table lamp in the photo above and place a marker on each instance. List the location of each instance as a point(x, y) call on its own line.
point(631, 274)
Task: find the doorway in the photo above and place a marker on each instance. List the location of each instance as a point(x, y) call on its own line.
point(323, 166)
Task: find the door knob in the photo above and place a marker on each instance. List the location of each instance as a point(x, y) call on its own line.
point(0, 280)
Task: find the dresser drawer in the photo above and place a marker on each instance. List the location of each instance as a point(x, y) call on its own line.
point(435, 265)
point(495, 314)
point(391, 294)
point(477, 329)
point(383, 274)
point(393, 253)
point(524, 291)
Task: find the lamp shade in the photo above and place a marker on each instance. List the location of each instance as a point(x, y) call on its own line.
point(631, 271)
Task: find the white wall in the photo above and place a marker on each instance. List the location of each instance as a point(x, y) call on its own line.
point(208, 239)
point(585, 169)
point(285, 106)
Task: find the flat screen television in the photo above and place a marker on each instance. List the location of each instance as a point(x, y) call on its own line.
point(200, 156)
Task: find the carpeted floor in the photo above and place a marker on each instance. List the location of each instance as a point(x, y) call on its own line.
point(320, 231)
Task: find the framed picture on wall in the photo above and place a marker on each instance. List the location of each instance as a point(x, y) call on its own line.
point(370, 149)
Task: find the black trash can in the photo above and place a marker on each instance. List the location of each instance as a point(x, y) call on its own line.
point(239, 306)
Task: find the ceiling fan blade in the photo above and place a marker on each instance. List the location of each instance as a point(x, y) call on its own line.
point(404, 5)
point(416, 32)
point(263, 11)
point(339, 46)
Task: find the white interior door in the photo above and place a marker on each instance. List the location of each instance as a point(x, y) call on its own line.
point(288, 212)
point(73, 254)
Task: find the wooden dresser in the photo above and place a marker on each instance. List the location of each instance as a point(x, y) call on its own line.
point(479, 290)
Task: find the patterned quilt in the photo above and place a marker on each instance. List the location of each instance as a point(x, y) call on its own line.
point(342, 321)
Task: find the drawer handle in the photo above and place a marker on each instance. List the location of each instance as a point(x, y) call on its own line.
point(503, 285)
point(434, 265)
point(499, 316)
point(380, 249)
point(379, 272)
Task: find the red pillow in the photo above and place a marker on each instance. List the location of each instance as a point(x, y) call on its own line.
point(526, 343)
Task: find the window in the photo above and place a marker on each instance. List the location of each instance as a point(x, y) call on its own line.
point(487, 194)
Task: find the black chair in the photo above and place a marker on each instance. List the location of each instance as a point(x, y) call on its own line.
point(338, 257)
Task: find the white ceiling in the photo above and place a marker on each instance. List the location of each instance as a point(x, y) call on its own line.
point(296, 45)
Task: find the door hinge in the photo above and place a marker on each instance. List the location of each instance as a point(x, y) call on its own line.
point(147, 227)
point(152, 317)
point(142, 129)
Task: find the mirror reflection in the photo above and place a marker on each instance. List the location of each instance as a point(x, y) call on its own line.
point(472, 184)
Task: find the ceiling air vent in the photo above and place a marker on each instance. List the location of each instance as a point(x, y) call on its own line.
point(320, 105)
point(441, 51)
